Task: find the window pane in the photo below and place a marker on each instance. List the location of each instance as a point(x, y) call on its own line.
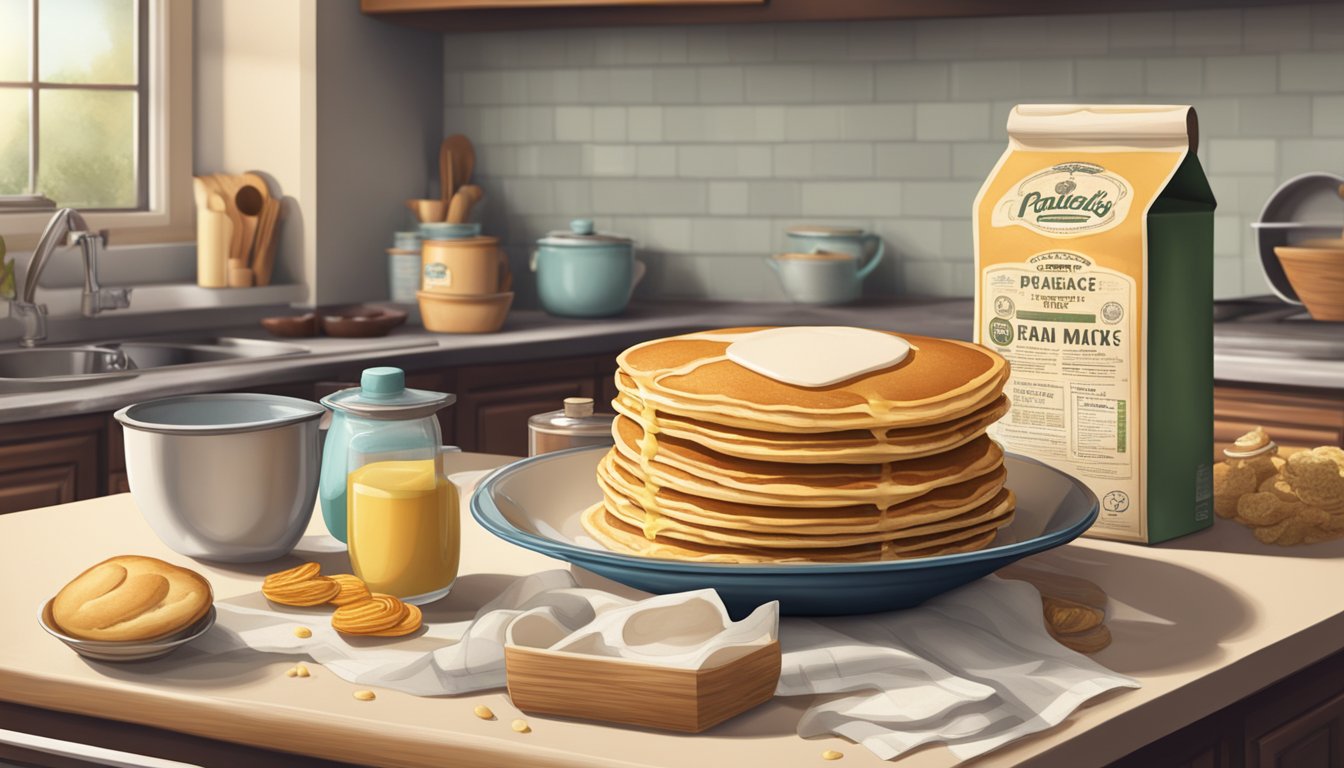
point(16, 31)
point(13, 141)
point(86, 148)
point(86, 41)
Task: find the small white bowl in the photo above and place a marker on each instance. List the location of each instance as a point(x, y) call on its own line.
point(129, 650)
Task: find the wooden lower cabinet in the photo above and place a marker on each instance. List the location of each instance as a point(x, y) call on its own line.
point(50, 462)
point(1295, 418)
point(1297, 722)
point(494, 403)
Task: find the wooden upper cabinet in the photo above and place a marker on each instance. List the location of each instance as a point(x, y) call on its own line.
point(485, 15)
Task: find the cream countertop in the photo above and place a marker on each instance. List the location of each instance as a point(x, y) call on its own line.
point(1201, 621)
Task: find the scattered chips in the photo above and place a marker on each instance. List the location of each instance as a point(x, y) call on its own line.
point(1285, 502)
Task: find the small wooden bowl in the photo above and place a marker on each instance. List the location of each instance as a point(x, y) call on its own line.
point(298, 326)
point(1317, 275)
point(621, 691)
point(361, 322)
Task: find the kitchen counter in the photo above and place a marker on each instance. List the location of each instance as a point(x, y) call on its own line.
point(1268, 344)
point(1201, 621)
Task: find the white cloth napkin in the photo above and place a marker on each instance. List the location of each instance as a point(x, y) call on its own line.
point(973, 669)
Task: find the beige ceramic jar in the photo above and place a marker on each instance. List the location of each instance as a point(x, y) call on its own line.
point(465, 266)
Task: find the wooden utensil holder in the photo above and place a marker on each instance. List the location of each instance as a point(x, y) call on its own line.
point(621, 691)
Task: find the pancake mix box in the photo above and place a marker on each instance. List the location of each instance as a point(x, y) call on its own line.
point(1094, 264)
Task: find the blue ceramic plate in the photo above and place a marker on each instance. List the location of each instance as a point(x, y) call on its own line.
point(535, 503)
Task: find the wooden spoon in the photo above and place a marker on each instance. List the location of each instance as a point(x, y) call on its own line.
point(464, 159)
point(465, 199)
point(227, 186)
point(446, 185)
point(250, 203)
point(264, 262)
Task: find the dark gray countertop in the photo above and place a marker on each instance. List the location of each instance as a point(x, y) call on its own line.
point(1265, 344)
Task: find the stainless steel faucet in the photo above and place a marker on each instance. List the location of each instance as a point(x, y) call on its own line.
point(69, 227)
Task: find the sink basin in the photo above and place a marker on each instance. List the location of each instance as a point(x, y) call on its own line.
point(48, 367)
point(160, 353)
point(63, 365)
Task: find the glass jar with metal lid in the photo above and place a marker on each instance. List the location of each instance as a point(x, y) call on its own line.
point(573, 426)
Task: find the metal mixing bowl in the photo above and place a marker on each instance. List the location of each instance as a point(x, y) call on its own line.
point(229, 477)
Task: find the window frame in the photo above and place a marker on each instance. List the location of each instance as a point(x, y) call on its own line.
point(168, 214)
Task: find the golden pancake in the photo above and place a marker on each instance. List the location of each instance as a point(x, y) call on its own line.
point(990, 515)
point(623, 538)
point(689, 468)
point(854, 446)
point(692, 376)
point(616, 475)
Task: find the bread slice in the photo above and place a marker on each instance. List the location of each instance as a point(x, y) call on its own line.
point(131, 598)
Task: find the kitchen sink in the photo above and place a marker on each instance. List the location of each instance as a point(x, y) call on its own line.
point(47, 367)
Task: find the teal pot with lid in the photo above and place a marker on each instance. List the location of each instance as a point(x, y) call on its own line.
point(585, 273)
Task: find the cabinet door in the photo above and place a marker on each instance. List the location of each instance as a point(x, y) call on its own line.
point(51, 462)
point(1314, 739)
point(495, 420)
point(1291, 418)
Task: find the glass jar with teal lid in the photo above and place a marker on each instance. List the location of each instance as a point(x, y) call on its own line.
point(378, 420)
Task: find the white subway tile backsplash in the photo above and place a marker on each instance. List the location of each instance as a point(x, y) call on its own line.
point(656, 160)
point(573, 124)
point(913, 160)
point(728, 198)
point(940, 199)
point(1131, 33)
point(856, 198)
point(1242, 156)
point(776, 84)
point(1288, 115)
point(774, 198)
point(1327, 27)
point(1327, 116)
point(841, 160)
point(705, 142)
point(975, 160)
point(1299, 156)
point(644, 124)
point(951, 122)
point(725, 235)
point(1108, 77)
point(842, 83)
point(1278, 28)
point(1311, 71)
point(881, 40)
point(913, 81)
point(719, 161)
point(877, 122)
point(1216, 31)
point(609, 124)
point(1226, 75)
point(675, 85)
point(1173, 76)
point(609, 160)
point(720, 85)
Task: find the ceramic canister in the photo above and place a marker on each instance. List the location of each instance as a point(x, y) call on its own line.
point(464, 266)
point(585, 273)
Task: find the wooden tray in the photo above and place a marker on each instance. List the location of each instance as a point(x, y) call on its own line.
point(620, 691)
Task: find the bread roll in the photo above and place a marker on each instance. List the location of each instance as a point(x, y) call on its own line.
point(131, 598)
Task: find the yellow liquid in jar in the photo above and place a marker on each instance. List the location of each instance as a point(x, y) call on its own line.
point(402, 527)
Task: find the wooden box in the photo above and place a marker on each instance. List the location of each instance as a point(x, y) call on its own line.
point(621, 691)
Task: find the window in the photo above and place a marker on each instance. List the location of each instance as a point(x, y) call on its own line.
point(73, 100)
point(150, 201)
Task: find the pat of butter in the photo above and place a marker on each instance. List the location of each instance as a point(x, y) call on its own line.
point(817, 356)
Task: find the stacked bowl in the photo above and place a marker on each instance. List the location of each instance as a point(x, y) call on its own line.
point(465, 283)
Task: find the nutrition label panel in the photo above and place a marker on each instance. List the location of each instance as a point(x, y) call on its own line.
point(1067, 327)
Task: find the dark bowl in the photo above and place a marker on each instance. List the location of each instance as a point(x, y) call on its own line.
point(297, 326)
point(361, 321)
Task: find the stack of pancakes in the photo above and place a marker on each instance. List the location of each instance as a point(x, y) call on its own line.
point(714, 462)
